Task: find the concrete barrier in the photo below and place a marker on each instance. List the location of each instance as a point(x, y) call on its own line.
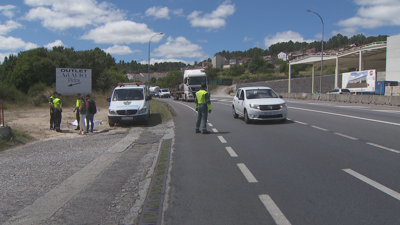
point(381, 100)
point(395, 101)
point(366, 99)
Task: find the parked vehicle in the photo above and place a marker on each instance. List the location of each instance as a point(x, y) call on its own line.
point(258, 103)
point(128, 103)
point(154, 91)
point(339, 91)
point(164, 93)
point(192, 80)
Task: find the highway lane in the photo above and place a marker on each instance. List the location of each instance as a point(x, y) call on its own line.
point(332, 163)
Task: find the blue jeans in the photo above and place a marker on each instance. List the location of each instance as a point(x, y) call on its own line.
point(89, 117)
point(202, 114)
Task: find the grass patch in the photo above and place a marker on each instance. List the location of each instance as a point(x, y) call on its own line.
point(160, 112)
point(14, 139)
point(152, 206)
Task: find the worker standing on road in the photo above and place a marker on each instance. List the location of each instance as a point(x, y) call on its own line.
point(90, 111)
point(58, 112)
point(51, 104)
point(203, 107)
point(76, 110)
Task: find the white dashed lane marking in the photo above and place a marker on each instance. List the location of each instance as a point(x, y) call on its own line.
point(231, 152)
point(273, 209)
point(373, 183)
point(215, 130)
point(346, 136)
point(222, 139)
point(246, 172)
point(383, 147)
point(319, 128)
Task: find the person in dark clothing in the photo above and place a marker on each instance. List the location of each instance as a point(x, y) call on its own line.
point(51, 104)
point(89, 115)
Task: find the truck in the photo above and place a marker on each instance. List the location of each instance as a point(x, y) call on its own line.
point(154, 91)
point(192, 80)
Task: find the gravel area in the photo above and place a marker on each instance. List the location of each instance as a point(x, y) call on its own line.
point(28, 172)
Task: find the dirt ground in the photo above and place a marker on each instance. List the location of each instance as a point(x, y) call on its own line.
point(35, 121)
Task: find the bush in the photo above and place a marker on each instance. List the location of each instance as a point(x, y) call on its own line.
point(11, 93)
point(41, 98)
point(36, 89)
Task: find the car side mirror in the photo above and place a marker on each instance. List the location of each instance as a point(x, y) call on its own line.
point(108, 99)
point(241, 98)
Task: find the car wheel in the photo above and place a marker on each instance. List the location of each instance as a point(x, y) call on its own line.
point(235, 115)
point(247, 120)
point(111, 124)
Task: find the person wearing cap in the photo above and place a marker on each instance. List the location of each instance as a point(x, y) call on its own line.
point(203, 107)
point(51, 104)
point(76, 110)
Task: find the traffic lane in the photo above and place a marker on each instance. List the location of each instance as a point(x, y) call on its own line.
point(374, 112)
point(374, 132)
point(206, 188)
point(275, 136)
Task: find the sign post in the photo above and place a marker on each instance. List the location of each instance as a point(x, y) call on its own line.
point(70, 81)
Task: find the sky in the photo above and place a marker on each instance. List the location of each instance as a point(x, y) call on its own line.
point(185, 30)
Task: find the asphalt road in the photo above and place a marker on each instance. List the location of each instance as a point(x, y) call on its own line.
point(330, 163)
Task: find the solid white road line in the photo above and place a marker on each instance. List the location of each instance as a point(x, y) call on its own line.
point(215, 130)
point(246, 172)
point(222, 139)
point(187, 106)
point(374, 184)
point(383, 147)
point(319, 128)
point(273, 209)
point(353, 117)
point(231, 152)
point(346, 136)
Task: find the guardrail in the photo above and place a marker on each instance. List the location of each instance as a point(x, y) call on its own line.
point(363, 99)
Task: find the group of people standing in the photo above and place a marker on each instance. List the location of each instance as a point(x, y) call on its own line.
point(85, 108)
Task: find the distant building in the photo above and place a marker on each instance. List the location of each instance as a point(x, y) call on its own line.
point(206, 64)
point(269, 59)
point(218, 62)
point(234, 61)
point(244, 60)
point(283, 56)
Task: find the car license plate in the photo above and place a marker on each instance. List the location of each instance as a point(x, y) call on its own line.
point(270, 113)
point(127, 118)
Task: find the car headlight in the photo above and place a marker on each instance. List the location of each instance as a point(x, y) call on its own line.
point(254, 106)
point(283, 105)
point(143, 110)
point(112, 112)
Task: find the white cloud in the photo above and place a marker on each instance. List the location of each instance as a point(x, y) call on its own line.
point(373, 14)
point(6, 10)
point(56, 43)
point(213, 20)
point(6, 54)
point(12, 43)
point(158, 12)
point(64, 14)
point(121, 32)
point(120, 50)
point(204, 41)
point(8, 26)
point(284, 36)
point(179, 47)
point(247, 39)
point(178, 12)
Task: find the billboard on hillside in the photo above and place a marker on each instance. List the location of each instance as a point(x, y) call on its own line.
point(360, 81)
point(70, 81)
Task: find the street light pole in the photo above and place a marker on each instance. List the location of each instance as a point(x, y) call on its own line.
point(134, 66)
point(148, 65)
point(322, 52)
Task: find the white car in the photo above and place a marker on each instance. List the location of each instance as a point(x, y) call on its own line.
point(258, 103)
point(128, 103)
point(164, 93)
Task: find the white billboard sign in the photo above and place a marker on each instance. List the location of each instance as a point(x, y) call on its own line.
point(70, 81)
point(361, 81)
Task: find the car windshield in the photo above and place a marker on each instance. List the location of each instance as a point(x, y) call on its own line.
point(260, 93)
point(165, 90)
point(128, 94)
point(197, 80)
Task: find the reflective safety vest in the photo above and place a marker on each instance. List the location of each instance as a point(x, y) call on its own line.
point(56, 102)
point(51, 100)
point(78, 103)
point(202, 97)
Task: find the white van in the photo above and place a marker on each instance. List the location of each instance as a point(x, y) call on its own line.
point(129, 102)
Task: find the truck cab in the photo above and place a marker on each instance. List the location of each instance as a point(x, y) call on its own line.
point(192, 80)
point(129, 102)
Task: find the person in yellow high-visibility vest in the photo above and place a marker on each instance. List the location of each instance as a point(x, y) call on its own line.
point(57, 112)
point(76, 110)
point(203, 107)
